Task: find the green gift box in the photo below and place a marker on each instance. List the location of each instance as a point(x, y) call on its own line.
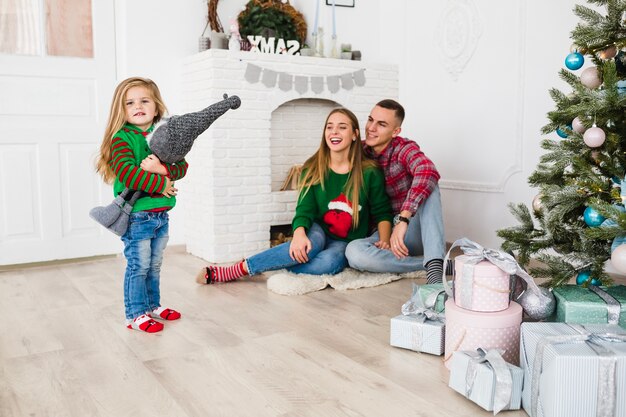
point(426, 290)
point(575, 304)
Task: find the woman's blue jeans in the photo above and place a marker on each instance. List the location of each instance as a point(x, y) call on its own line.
point(327, 256)
point(144, 243)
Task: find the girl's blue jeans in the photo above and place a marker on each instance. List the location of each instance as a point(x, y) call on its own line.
point(144, 243)
point(327, 256)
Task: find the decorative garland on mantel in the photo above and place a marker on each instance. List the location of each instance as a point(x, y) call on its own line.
point(301, 83)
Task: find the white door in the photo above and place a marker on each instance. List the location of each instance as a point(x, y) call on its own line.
point(53, 111)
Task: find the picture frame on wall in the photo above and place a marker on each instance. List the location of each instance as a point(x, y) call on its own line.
point(341, 3)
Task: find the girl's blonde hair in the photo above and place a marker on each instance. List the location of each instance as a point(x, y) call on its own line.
point(316, 167)
point(117, 119)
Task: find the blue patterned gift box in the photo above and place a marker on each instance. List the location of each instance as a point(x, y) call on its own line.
point(421, 336)
point(486, 379)
point(575, 304)
point(420, 327)
point(573, 370)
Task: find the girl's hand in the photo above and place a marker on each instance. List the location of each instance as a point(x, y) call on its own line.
point(381, 244)
point(169, 190)
point(153, 164)
point(300, 246)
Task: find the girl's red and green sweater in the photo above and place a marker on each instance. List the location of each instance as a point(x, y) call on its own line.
point(129, 147)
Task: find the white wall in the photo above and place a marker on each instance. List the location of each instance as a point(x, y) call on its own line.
point(481, 128)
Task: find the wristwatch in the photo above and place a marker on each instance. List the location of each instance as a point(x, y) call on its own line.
point(397, 219)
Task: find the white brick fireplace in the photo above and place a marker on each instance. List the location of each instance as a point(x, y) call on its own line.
point(231, 193)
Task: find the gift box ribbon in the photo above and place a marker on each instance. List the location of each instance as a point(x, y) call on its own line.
point(504, 381)
point(421, 311)
point(607, 389)
point(476, 254)
point(613, 306)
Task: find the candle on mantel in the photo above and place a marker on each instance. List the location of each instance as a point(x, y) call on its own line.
point(334, 24)
point(317, 17)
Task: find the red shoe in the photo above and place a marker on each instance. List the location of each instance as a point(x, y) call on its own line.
point(204, 276)
point(145, 324)
point(164, 313)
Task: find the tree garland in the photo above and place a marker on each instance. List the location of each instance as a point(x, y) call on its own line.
point(272, 17)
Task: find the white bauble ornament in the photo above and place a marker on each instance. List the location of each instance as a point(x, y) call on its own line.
point(594, 137)
point(537, 203)
point(590, 78)
point(618, 258)
point(578, 126)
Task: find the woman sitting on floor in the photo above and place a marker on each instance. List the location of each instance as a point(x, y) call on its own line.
point(340, 192)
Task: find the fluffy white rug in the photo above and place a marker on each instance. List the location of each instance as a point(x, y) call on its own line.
point(286, 283)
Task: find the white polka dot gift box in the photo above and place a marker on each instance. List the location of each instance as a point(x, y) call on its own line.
point(470, 330)
point(573, 370)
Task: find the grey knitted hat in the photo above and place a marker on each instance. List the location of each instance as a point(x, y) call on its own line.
point(171, 141)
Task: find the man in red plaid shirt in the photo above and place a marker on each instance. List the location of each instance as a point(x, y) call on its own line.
point(417, 240)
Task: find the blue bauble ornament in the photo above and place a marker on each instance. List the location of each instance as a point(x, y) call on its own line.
point(574, 61)
point(596, 282)
point(592, 217)
point(582, 277)
point(562, 133)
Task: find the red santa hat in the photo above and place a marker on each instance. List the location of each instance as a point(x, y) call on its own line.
point(340, 203)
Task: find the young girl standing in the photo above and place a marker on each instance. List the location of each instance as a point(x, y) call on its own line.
point(341, 191)
point(126, 161)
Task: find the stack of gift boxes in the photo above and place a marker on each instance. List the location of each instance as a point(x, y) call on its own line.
point(573, 367)
point(482, 336)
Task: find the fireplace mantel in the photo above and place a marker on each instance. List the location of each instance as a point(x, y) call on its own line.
point(227, 194)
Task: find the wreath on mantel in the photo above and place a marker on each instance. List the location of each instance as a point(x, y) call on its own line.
point(214, 20)
point(275, 18)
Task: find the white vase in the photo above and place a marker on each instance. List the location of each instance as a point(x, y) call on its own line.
point(233, 44)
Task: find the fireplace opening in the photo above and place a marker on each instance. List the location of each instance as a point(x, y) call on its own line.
point(295, 135)
point(280, 234)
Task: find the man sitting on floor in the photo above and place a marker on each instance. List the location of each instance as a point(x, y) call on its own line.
point(411, 179)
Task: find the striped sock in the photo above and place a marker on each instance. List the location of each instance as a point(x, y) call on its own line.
point(434, 271)
point(227, 273)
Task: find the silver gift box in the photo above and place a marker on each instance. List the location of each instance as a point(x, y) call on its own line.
point(421, 336)
point(571, 378)
point(484, 384)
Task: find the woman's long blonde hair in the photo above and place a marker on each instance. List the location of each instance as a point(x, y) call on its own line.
point(117, 119)
point(316, 167)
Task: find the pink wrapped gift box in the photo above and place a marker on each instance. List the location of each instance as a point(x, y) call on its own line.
point(486, 289)
point(469, 330)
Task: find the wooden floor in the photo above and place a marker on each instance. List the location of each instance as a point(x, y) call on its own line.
point(239, 350)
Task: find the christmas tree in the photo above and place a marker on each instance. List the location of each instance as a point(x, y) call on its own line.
point(578, 220)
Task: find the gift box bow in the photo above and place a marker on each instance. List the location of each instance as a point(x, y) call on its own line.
point(504, 381)
point(607, 389)
point(421, 310)
point(475, 254)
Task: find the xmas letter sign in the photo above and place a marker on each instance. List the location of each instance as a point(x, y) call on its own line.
point(272, 46)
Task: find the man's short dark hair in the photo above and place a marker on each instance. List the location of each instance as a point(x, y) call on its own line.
point(390, 104)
